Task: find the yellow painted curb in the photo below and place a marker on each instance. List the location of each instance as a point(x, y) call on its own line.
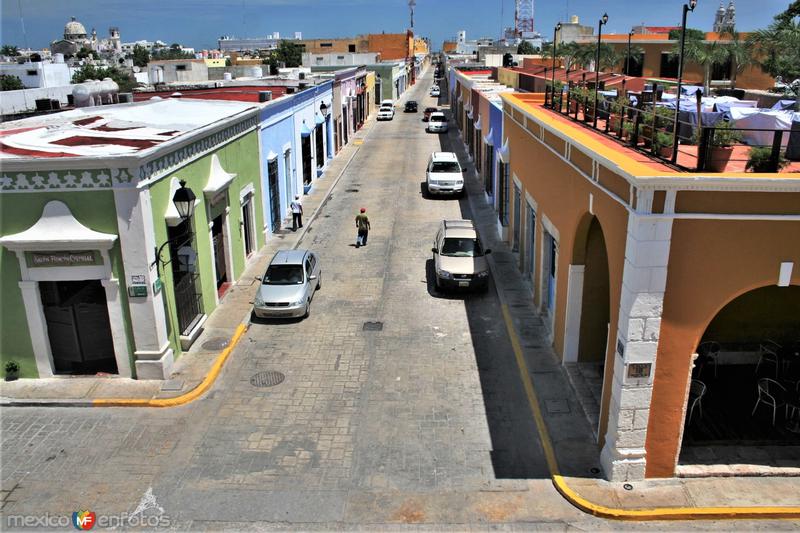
point(189, 396)
point(658, 513)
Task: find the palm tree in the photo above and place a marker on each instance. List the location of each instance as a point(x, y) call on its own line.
point(9, 50)
point(740, 54)
point(706, 53)
point(778, 48)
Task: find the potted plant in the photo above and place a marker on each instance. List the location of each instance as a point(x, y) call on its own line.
point(719, 153)
point(12, 370)
point(662, 144)
point(760, 160)
point(618, 108)
point(627, 130)
point(646, 127)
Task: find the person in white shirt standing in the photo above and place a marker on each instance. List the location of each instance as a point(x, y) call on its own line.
point(297, 213)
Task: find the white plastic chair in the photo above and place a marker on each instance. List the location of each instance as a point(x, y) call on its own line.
point(772, 394)
point(710, 351)
point(697, 390)
point(768, 353)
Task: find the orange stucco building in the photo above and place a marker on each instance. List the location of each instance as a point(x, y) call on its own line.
point(635, 265)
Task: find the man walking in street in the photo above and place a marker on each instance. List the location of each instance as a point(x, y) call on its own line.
point(362, 223)
point(297, 213)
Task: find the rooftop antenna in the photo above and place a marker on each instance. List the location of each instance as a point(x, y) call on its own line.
point(22, 23)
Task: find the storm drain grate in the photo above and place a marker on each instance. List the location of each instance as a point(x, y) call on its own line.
point(267, 379)
point(372, 326)
point(351, 190)
point(215, 343)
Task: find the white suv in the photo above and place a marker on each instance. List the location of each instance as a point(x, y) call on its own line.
point(386, 112)
point(437, 123)
point(459, 258)
point(444, 174)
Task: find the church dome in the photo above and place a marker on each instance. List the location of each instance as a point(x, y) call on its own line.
point(74, 29)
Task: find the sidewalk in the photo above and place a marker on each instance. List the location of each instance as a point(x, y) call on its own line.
point(568, 431)
point(192, 366)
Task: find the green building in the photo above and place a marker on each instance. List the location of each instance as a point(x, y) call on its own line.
point(86, 201)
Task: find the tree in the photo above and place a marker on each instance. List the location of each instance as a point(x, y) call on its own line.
point(740, 54)
point(124, 79)
point(9, 50)
point(703, 53)
point(10, 83)
point(691, 33)
point(526, 48)
point(141, 56)
point(289, 53)
point(84, 52)
point(778, 48)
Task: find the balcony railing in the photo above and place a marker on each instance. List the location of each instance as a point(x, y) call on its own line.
point(650, 129)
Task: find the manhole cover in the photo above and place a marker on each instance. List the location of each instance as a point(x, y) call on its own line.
point(372, 326)
point(216, 343)
point(351, 190)
point(555, 407)
point(267, 379)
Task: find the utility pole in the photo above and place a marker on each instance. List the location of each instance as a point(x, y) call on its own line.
point(410, 36)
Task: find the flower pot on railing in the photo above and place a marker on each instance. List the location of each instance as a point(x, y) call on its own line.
point(662, 144)
point(12, 371)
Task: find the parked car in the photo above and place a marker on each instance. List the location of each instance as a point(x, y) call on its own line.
point(388, 102)
point(435, 90)
point(411, 106)
point(386, 112)
point(427, 113)
point(458, 257)
point(444, 174)
point(288, 285)
point(437, 123)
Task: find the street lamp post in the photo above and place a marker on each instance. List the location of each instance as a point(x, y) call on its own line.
point(183, 199)
point(628, 57)
point(553, 87)
point(686, 8)
point(600, 24)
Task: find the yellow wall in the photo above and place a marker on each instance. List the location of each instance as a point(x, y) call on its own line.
point(219, 62)
point(508, 77)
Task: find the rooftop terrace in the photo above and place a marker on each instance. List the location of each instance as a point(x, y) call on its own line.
point(638, 156)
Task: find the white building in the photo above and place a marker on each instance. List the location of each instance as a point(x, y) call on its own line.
point(34, 75)
point(344, 59)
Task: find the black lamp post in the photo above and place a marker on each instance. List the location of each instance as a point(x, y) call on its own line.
point(553, 87)
point(628, 57)
point(686, 8)
point(183, 199)
point(600, 24)
point(323, 109)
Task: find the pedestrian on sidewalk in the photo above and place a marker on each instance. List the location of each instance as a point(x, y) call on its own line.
point(297, 213)
point(362, 223)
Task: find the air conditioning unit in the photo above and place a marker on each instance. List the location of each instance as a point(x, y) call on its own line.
point(264, 96)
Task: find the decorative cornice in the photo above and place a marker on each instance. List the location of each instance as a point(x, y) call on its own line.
point(56, 174)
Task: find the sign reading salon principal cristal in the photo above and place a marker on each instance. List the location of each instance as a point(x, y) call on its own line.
point(62, 259)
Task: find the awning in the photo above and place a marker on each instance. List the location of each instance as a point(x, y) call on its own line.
point(503, 154)
point(304, 131)
point(218, 178)
point(319, 118)
point(488, 138)
point(57, 229)
point(479, 124)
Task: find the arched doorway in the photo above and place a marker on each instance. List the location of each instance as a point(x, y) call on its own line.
point(588, 315)
point(743, 405)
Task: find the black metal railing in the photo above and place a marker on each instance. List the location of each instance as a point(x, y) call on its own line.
point(650, 129)
point(188, 302)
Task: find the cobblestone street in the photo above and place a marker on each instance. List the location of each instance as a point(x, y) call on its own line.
point(422, 420)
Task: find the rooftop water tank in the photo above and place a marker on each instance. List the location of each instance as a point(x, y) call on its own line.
point(227, 76)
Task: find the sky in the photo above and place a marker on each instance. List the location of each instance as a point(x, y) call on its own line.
point(199, 23)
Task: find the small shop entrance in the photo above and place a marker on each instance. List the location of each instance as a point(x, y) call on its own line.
point(306, 147)
point(78, 327)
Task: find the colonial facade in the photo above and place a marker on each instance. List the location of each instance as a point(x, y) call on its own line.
point(661, 290)
point(100, 273)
